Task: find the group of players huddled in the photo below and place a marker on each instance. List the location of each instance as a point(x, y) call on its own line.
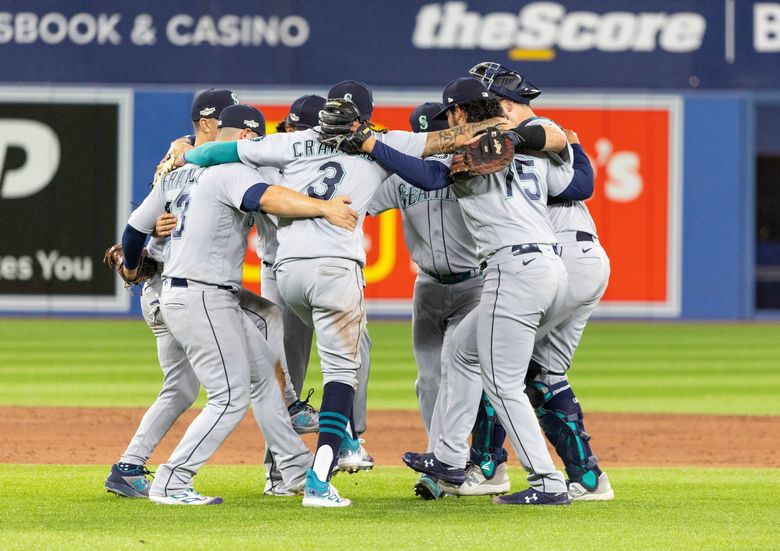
point(509, 270)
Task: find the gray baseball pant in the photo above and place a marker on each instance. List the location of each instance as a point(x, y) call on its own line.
point(588, 267)
point(494, 345)
point(286, 458)
point(297, 335)
point(180, 384)
point(327, 294)
point(438, 308)
point(210, 326)
point(297, 345)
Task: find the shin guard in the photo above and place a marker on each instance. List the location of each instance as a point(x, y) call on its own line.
point(487, 439)
point(561, 419)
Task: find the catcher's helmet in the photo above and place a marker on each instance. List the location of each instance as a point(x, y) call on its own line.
point(504, 82)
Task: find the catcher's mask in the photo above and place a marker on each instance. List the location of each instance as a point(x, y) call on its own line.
point(504, 82)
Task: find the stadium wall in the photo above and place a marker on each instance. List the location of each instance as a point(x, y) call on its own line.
point(682, 247)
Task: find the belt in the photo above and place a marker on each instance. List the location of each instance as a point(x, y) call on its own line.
point(526, 248)
point(181, 282)
point(451, 279)
point(584, 236)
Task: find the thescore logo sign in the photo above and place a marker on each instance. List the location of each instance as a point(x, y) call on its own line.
point(545, 25)
point(64, 185)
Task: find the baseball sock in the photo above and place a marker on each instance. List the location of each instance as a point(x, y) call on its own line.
point(335, 414)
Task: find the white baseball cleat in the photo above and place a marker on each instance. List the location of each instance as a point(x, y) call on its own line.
point(477, 484)
point(603, 491)
point(185, 497)
point(353, 457)
point(322, 494)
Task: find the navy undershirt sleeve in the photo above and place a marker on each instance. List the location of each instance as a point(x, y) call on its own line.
point(427, 175)
point(251, 199)
point(132, 246)
point(581, 185)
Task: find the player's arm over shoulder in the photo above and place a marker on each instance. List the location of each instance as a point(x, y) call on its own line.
point(542, 134)
point(275, 150)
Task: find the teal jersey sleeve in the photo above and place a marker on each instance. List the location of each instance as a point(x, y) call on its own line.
point(214, 153)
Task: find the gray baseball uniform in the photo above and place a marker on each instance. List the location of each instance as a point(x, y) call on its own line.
point(202, 311)
point(448, 284)
point(525, 284)
point(318, 266)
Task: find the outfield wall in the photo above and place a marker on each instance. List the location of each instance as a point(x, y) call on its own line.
point(673, 200)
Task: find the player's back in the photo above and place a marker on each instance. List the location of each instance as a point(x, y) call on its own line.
point(570, 216)
point(322, 172)
point(508, 207)
point(209, 242)
point(434, 231)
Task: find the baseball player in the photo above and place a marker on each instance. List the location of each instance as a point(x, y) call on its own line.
point(318, 268)
point(128, 477)
point(525, 282)
point(244, 122)
point(448, 283)
point(558, 410)
point(214, 209)
point(303, 114)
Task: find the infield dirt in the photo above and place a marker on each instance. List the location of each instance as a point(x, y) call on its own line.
point(99, 435)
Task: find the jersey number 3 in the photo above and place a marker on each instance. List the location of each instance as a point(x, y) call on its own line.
point(326, 187)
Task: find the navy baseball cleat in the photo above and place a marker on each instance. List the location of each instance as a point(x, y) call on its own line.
point(427, 463)
point(533, 497)
point(128, 480)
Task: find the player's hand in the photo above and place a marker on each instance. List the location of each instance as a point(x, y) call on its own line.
point(180, 161)
point(164, 225)
point(338, 213)
point(571, 135)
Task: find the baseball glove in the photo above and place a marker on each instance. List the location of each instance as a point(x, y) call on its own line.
point(114, 258)
point(492, 152)
point(168, 163)
point(336, 120)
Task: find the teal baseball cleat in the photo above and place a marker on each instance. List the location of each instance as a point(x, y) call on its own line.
point(317, 493)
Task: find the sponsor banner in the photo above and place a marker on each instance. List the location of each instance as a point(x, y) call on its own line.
point(64, 184)
point(659, 44)
point(635, 148)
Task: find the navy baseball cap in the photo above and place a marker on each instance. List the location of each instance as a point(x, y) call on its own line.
point(210, 103)
point(305, 112)
point(461, 90)
point(422, 118)
point(358, 93)
point(243, 117)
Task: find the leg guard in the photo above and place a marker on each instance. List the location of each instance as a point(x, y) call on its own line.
point(487, 439)
point(561, 419)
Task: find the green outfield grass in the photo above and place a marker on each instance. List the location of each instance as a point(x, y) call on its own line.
point(64, 507)
point(629, 367)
